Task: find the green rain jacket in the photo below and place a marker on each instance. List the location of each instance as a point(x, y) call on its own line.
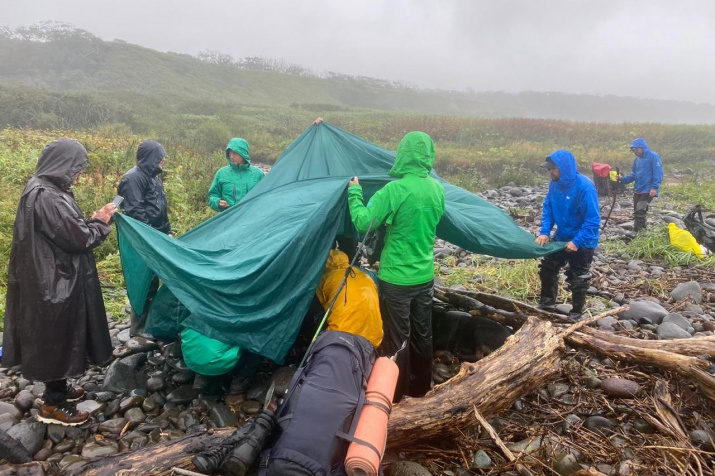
point(233, 182)
point(410, 208)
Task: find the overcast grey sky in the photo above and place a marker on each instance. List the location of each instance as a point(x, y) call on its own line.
point(661, 49)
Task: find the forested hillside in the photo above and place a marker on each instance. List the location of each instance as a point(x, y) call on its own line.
point(48, 71)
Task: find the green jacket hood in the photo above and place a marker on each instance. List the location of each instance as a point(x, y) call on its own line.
point(239, 146)
point(415, 155)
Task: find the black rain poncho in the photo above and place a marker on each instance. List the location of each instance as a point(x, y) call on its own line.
point(55, 322)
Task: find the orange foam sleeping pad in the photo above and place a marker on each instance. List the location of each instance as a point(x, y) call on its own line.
point(362, 460)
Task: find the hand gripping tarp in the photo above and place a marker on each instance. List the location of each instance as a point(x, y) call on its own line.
point(247, 276)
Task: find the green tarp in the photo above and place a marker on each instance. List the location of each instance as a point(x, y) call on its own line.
point(247, 276)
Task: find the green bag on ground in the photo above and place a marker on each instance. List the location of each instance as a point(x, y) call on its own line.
point(207, 356)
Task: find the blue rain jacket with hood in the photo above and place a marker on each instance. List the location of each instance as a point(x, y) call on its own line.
point(647, 170)
point(142, 189)
point(571, 204)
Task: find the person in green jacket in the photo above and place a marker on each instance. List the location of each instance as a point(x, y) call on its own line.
point(410, 208)
point(233, 181)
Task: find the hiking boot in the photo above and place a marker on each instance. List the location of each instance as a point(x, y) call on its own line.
point(65, 415)
point(576, 316)
point(74, 394)
point(548, 305)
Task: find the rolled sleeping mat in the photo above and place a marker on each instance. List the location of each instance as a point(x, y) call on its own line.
point(365, 453)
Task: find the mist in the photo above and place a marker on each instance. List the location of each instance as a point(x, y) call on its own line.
point(647, 49)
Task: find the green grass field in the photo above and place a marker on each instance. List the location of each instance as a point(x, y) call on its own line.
point(473, 153)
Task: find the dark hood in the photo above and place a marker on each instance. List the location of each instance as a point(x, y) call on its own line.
point(149, 154)
point(566, 163)
point(60, 160)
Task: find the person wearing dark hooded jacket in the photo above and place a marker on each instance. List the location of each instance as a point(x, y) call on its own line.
point(410, 207)
point(572, 205)
point(144, 200)
point(55, 321)
point(233, 181)
point(647, 173)
point(142, 189)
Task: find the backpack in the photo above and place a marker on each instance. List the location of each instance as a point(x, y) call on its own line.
point(602, 178)
point(702, 231)
point(319, 413)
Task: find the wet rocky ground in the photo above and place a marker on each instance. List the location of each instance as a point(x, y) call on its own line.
point(593, 418)
point(146, 395)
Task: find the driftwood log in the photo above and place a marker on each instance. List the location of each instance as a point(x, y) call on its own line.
point(671, 355)
point(152, 460)
point(685, 365)
point(694, 346)
point(528, 360)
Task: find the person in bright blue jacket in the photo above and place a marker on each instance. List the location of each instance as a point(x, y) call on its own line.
point(647, 173)
point(572, 205)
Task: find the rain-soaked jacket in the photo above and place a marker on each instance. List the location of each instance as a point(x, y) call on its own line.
point(357, 308)
point(142, 189)
point(647, 170)
point(232, 182)
point(410, 207)
point(571, 204)
point(55, 320)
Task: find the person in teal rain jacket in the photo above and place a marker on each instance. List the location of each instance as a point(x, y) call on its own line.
point(571, 204)
point(647, 174)
point(233, 181)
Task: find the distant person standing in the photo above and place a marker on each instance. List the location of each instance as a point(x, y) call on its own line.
point(144, 200)
point(647, 173)
point(410, 208)
point(572, 205)
point(55, 321)
point(233, 181)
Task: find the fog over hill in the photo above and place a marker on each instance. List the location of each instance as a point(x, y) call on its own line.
point(49, 59)
point(653, 49)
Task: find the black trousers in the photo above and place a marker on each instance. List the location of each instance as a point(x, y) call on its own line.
point(407, 316)
point(640, 209)
point(138, 321)
point(577, 276)
point(55, 392)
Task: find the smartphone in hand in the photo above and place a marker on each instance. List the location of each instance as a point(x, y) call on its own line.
point(118, 200)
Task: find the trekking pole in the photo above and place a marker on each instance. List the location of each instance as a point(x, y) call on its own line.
point(361, 248)
point(615, 192)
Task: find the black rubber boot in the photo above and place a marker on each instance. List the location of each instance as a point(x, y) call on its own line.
point(578, 286)
point(578, 300)
point(640, 211)
point(549, 288)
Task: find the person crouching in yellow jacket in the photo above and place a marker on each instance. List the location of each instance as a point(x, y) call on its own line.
point(357, 308)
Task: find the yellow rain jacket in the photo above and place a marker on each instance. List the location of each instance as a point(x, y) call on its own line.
point(357, 308)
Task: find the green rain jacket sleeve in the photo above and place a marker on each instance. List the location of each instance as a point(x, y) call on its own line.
point(215, 193)
point(378, 208)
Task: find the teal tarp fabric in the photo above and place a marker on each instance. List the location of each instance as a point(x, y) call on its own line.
point(247, 276)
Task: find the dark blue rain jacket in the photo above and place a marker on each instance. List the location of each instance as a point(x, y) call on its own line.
point(571, 204)
point(647, 170)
